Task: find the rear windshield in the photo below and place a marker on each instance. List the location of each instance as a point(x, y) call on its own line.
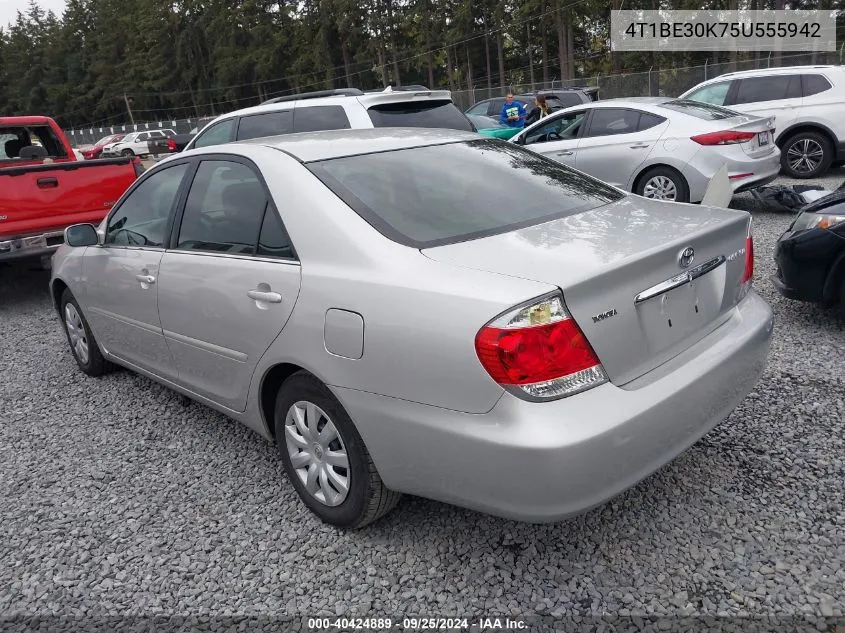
point(429, 196)
point(433, 113)
point(14, 139)
point(700, 110)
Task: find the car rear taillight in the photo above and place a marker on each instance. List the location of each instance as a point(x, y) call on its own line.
point(171, 145)
point(139, 167)
point(538, 351)
point(727, 137)
point(748, 273)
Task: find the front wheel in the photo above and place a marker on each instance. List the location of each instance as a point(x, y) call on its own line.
point(83, 346)
point(127, 152)
point(325, 458)
point(663, 183)
point(806, 155)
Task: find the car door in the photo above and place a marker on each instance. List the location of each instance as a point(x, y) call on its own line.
point(122, 274)
point(139, 145)
point(555, 136)
point(229, 282)
point(775, 95)
point(615, 143)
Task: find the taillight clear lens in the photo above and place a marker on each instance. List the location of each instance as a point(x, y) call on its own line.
point(723, 138)
point(540, 351)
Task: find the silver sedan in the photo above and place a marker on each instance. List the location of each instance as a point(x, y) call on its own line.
point(659, 147)
point(424, 312)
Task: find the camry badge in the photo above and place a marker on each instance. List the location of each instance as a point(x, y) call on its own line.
point(605, 315)
point(686, 256)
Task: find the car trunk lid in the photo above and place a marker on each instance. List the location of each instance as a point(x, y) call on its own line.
point(622, 279)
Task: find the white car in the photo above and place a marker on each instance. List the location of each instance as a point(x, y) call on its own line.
point(347, 108)
point(658, 147)
point(136, 143)
point(806, 102)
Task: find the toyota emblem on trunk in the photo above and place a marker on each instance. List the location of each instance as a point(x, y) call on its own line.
point(686, 256)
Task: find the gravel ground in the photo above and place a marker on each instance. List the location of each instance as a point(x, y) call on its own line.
point(120, 497)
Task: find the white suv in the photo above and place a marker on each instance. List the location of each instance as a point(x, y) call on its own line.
point(806, 102)
point(414, 106)
point(136, 143)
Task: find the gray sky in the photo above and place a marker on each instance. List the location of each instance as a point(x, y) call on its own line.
point(9, 8)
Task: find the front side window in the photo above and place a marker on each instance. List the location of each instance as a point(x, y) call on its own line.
point(142, 218)
point(224, 210)
point(561, 128)
point(393, 191)
point(267, 124)
point(774, 88)
point(714, 94)
point(216, 135)
point(610, 121)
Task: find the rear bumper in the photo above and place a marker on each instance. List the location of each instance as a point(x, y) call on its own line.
point(546, 461)
point(705, 164)
point(35, 245)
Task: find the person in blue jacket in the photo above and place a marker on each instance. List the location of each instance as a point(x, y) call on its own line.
point(513, 112)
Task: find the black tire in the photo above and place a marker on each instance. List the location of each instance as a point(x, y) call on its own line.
point(367, 499)
point(127, 152)
point(94, 365)
point(811, 143)
point(840, 307)
point(679, 182)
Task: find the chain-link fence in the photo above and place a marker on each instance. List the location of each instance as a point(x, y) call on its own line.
point(669, 82)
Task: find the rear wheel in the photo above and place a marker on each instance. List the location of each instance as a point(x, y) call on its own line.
point(325, 457)
point(663, 183)
point(840, 308)
point(83, 346)
point(127, 152)
point(806, 155)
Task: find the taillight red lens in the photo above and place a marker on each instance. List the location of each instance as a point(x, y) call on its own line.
point(540, 350)
point(748, 273)
point(723, 138)
point(534, 354)
point(171, 145)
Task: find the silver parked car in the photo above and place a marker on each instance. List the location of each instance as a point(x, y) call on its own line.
point(659, 147)
point(423, 311)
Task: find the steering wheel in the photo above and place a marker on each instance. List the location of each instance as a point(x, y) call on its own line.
point(555, 136)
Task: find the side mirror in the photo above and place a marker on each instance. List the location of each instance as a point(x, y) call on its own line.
point(81, 235)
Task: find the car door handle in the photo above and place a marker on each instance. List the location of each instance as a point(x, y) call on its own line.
point(564, 153)
point(146, 279)
point(640, 145)
point(47, 183)
point(262, 295)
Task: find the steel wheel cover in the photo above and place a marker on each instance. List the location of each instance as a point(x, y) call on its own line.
point(76, 333)
point(660, 188)
point(317, 453)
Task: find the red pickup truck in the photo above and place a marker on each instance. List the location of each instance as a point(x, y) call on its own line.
point(44, 187)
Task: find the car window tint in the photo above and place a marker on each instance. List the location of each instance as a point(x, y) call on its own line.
point(609, 121)
point(224, 209)
point(430, 113)
point(143, 136)
point(713, 94)
point(269, 124)
point(274, 240)
point(393, 190)
point(648, 120)
point(479, 108)
point(773, 88)
point(141, 219)
point(216, 134)
point(814, 84)
point(567, 99)
point(561, 128)
point(316, 118)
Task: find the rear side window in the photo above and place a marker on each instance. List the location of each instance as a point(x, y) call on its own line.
point(393, 191)
point(316, 118)
point(225, 209)
point(217, 134)
point(648, 120)
point(772, 88)
point(269, 124)
point(814, 84)
point(608, 121)
point(433, 113)
point(565, 99)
